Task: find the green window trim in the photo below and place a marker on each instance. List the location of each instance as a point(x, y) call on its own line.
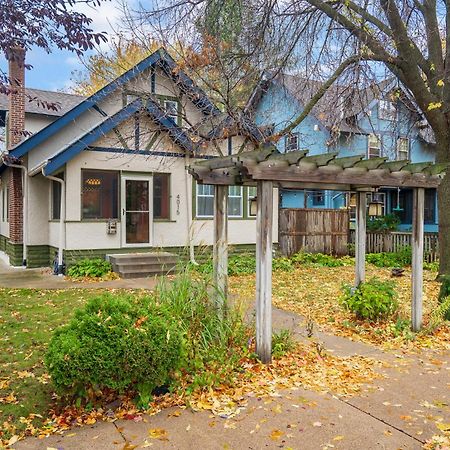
point(245, 202)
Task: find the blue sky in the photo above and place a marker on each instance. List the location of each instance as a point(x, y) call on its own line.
point(54, 71)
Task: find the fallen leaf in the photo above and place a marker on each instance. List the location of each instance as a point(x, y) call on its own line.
point(317, 424)
point(158, 433)
point(275, 435)
point(338, 438)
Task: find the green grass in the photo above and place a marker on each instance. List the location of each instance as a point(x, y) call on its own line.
point(27, 320)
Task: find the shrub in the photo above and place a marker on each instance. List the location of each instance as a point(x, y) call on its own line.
point(282, 342)
point(94, 268)
point(389, 222)
point(372, 300)
point(386, 259)
point(444, 293)
point(282, 264)
point(118, 343)
point(320, 260)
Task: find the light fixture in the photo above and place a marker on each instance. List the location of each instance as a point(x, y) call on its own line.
point(352, 200)
point(376, 205)
point(253, 206)
point(93, 181)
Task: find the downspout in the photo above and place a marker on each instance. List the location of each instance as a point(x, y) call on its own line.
point(24, 207)
point(62, 216)
point(189, 214)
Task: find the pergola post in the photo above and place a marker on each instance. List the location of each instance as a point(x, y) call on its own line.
point(360, 240)
point(264, 270)
point(220, 248)
point(417, 258)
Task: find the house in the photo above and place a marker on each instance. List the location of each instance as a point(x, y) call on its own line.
point(106, 174)
point(379, 120)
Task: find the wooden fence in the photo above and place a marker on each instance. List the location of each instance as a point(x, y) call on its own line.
point(394, 241)
point(313, 231)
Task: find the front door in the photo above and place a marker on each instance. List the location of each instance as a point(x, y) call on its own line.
point(136, 210)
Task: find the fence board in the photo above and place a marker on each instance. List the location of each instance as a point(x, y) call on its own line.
point(313, 231)
point(394, 241)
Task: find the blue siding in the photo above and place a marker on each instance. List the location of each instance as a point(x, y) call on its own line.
point(277, 107)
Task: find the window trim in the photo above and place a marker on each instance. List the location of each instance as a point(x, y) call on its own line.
point(408, 150)
point(88, 219)
point(378, 137)
point(197, 215)
point(249, 198)
point(241, 216)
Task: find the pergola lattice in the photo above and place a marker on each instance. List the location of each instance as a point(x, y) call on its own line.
point(267, 168)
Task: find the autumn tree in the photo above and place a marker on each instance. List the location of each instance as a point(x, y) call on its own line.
point(46, 24)
point(345, 42)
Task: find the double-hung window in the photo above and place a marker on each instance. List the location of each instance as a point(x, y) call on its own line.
point(100, 194)
point(235, 201)
point(251, 196)
point(171, 109)
point(205, 201)
point(374, 146)
point(402, 148)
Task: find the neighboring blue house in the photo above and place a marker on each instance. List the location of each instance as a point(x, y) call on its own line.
point(379, 120)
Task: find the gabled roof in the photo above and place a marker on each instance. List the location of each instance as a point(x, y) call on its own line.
point(340, 103)
point(159, 57)
point(36, 100)
point(55, 162)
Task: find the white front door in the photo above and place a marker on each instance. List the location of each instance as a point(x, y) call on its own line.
point(136, 202)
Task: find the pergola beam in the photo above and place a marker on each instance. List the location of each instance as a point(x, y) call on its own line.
point(264, 218)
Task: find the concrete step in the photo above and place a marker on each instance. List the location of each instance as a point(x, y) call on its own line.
point(140, 265)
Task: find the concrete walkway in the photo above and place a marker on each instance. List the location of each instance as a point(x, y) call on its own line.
point(398, 412)
point(11, 277)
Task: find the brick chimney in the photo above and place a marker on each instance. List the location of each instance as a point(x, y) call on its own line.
point(16, 128)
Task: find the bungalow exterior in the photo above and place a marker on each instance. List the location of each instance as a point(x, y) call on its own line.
point(107, 174)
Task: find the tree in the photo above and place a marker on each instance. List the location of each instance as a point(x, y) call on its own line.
point(336, 39)
point(45, 24)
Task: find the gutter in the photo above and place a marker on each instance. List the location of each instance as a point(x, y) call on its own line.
point(24, 206)
point(62, 215)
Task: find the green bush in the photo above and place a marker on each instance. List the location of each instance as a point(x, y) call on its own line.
point(401, 258)
point(444, 293)
point(118, 343)
point(320, 260)
point(372, 300)
point(389, 222)
point(94, 268)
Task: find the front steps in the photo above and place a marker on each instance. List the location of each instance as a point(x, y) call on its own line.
point(141, 265)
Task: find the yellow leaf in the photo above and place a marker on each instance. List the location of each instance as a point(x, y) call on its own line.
point(338, 438)
point(158, 433)
point(440, 83)
point(90, 420)
point(275, 435)
point(432, 106)
point(443, 426)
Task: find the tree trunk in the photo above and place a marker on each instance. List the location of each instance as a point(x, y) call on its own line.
point(443, 156)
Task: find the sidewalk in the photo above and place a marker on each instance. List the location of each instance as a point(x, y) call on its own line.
point(398, 412)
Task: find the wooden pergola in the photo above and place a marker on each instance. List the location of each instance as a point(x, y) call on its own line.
point(268, 169)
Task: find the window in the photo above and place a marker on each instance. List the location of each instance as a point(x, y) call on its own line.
point(402, 148)
point(235, 201)
point(56, 198)
point(5, 204)
point(318, 198)
point(251, 196)
point(292, 142)
point(171, 108)
point(374, 146)
point(161, 196)
point(430, 206)
point(387, 110)
point(100, 194)
point(205, 200)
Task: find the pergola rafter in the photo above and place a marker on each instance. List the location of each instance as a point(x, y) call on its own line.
point(267, 169)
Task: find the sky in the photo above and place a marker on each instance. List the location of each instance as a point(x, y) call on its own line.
point(54, 71)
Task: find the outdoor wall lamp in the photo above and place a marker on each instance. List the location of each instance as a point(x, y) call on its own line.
point(376, 205)
point(253, 206)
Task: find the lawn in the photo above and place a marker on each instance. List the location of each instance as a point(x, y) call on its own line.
point(27, 319)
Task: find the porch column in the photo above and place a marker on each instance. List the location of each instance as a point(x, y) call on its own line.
point(220, 249)
point(360, 240)
point(417, 258)
point(264, 270)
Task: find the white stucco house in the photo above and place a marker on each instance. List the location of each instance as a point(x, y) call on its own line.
point(106, 174)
